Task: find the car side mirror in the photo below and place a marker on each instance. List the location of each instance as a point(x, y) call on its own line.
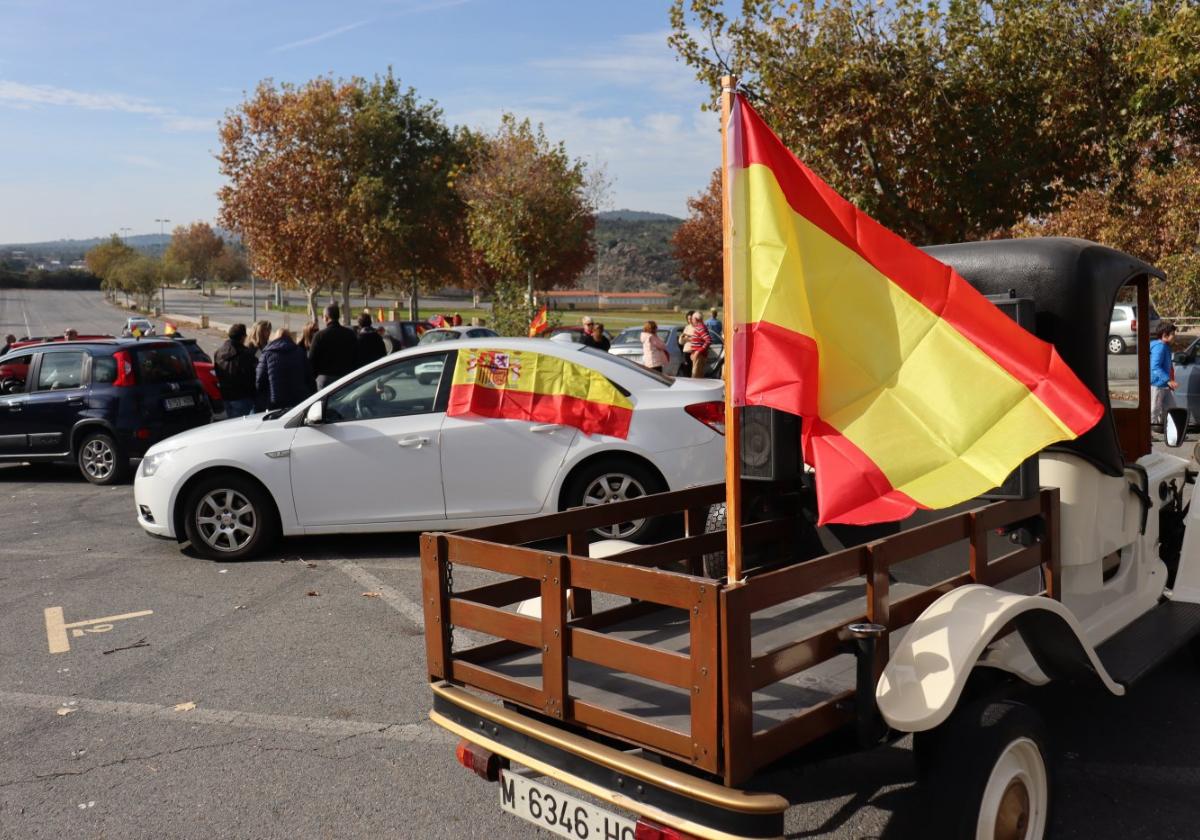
point(315, 416)
point(1175, 426)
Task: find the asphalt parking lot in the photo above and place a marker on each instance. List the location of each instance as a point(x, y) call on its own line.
point(310, 702)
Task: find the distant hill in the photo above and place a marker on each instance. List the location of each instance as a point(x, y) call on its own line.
point(635, 216)
point(69, 250)
point(633, 252)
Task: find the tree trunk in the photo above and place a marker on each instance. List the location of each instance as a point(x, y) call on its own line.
point(413, 303)
point(346, 299)
point(311, 293)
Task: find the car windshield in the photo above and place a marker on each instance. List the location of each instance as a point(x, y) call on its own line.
point(434, 336)
point(660, 378)
point(194, 350)
point(163, 363)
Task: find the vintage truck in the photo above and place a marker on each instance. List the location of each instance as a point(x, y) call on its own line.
point(654, 695)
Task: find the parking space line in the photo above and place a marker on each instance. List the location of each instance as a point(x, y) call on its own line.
point(424, 731)
point(56, 628)
point(394, 598)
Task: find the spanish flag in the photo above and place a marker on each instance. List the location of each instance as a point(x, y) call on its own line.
point(520, 385)
point(170, 329)
point(539, 323)
point(915, 391)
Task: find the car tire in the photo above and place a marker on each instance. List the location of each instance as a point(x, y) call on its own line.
point(1116, 345)
point(229, 517)
point(986, 772)
point(616, 479)
point(100, 459)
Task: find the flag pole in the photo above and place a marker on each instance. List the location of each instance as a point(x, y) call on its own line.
point(733, 426)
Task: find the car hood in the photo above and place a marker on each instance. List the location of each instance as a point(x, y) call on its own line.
point(220, 431)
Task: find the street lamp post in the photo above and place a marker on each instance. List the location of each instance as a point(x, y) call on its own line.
point(162, 287)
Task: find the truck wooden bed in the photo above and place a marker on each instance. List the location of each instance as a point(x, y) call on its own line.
point(722, 678)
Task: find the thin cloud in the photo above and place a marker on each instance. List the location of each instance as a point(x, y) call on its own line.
point(644, 60)
point(324, 36)
point(18, 94)
point(25, 97)
point(141, 161)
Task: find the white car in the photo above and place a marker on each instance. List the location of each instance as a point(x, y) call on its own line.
point(144, 325)
point(376, 451)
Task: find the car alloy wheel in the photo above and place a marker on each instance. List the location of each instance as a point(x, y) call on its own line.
point(226, 520)
point(1116, 345)
point(98, 459)
point(614, 487)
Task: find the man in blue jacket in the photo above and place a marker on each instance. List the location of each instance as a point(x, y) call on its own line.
point(1162, 379)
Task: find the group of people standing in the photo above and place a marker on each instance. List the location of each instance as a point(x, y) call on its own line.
point(695, 339)
point(264, 370)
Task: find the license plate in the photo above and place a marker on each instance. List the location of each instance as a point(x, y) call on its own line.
point(179, 402)
point(555, 811)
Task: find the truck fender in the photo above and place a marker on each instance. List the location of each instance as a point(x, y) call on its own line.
point(929, 667)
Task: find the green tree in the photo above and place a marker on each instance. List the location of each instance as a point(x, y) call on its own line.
point(139, 276)
point(102, 259)
point(405, 159)
point(949, 121)
point(531, 211)
point(230, 267)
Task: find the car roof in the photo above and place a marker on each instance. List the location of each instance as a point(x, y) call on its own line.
point(100, 342)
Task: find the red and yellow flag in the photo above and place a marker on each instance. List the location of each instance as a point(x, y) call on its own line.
point(539, 323)
point(170, 329)
point(522, 385)
point(915, 391)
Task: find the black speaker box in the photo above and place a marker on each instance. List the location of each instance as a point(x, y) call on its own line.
point(770, 444)
point(1023, 482)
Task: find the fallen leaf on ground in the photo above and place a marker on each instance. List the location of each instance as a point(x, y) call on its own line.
point(185, 707)
point(372, 594)
point(310, 565)
point(66, 711)
point(312, 593)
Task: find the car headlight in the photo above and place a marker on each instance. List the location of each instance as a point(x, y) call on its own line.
point(151, 463)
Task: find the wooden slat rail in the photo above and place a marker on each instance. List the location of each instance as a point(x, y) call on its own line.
point(687, 547)
point(746, 673)
point(653, 663)
point(506, 625)
point(555, 525)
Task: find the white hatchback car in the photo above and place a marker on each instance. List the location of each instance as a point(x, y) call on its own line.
point(376, 451)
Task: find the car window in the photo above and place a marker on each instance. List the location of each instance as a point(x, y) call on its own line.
point(13, 372)
point(480, 333)
point(104, 370)
point(402, 389)
point(410, 333)
point(165, 363)
point(628, 337)
point(61, 370)
point(625, 362)
point(439, 335)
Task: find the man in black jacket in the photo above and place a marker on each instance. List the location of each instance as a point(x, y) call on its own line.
point(332, 354)
point(235, 366)
point(370, 343)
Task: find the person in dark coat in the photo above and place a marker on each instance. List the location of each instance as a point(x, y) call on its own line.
point(334, 349)
point(236, 368)
point(370, 343)
point(283, 379)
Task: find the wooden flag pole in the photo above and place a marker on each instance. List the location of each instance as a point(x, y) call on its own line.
point(733, 426)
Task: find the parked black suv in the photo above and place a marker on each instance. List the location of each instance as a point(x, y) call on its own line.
point(98, 403)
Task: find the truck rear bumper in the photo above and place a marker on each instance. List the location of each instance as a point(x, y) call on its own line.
point(662, 794)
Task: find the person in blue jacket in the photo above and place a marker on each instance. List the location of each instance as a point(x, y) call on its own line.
point(283, 378)
point(1162, 373)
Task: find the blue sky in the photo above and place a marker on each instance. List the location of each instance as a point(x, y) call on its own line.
point(108, 111)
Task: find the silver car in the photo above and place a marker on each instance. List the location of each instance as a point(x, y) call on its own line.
point(628, 343)
point(1122, 331)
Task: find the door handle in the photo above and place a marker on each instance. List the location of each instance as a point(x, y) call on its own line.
point(413, 442)
point(75, 401)
point(545, 428)
point(14, 407)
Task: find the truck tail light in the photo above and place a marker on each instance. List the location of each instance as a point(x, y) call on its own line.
point(646, 830)
point(711, 414)
point(1133, 325)
point(124, 370)
point(484, 764)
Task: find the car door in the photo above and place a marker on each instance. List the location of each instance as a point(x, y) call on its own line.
point(57, 399)
point(494, 467)
point(1187, 375)
point(14, 397)
point(375, 458)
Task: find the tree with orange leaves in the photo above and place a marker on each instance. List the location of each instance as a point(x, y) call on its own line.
point(697, 242)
